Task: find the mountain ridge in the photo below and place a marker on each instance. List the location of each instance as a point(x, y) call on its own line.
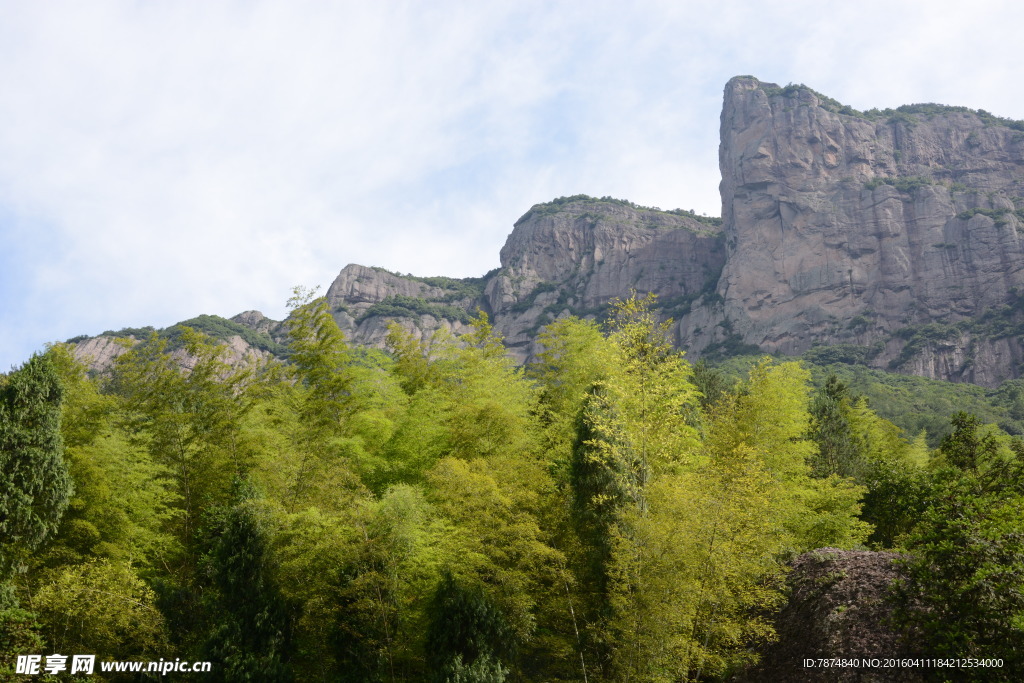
point(887, 238)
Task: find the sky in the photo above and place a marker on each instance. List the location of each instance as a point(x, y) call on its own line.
point(160, 160)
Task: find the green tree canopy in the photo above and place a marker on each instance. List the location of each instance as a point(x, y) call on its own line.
point(34, 481)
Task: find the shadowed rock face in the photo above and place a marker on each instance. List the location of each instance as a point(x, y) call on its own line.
point(900, 218)
point(837, 609)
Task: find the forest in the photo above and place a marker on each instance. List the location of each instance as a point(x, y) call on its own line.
point(433, 512)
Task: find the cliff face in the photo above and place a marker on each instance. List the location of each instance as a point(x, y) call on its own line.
point(860, 228)
point(365, 301)
point(890, 238)
point(572, 257)
point(567, 257)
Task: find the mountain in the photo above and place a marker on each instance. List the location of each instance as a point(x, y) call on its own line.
point(888, 238)
point(894, 232)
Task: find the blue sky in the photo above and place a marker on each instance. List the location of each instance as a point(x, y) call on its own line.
point(160, 160)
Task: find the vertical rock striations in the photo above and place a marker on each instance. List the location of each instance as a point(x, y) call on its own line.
point(571, 256)
point(860, 228)
point(890, 238)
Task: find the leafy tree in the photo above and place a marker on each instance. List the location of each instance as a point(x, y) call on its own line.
point(968, 447)
point(711, 383)
point(34, 481)
point(635, 431)
point(101, 607)
point(189, 421)
point(893, 470)
point(378, 624)
point(962, 594)
point(492, 538)
point(691, 575)
point(20, 633)
point(344, 404)
point(962, 591)
point(123, 505)
point(575, 356)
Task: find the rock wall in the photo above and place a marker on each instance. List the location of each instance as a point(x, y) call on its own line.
point(889, 219)
point(837, 609)
point(890, 237)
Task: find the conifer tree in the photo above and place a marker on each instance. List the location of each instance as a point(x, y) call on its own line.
point(251, 634)
point(468, 638)
point(34, 481)
point(830, 428)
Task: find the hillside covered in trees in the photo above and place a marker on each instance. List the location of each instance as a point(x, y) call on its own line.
point(433, 512)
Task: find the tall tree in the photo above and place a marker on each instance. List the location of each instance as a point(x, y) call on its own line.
point(34, 483)
point(830, 428)
point(468, 638)
point(188, 419)
point(251, 632)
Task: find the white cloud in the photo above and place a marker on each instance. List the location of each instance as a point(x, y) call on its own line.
point(160, 160)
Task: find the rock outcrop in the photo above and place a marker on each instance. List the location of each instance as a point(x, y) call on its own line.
point(572, 257)
point(857, 228)
point(837, 610)
point(890, 238)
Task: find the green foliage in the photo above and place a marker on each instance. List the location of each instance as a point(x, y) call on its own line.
point(100, 607)
point(712, 384)
point(851, 354)
point(901, 113)
point(34, 482)
point(729, 347)
point(137, 332)
point(609, 513)
point(793, 90)
point(399, 306)
point(830, 428)
point(212, 326)
point(527, 302)
point(250, 639)
point(916, 404)
point(455, 288)
point(187, 422)
point(904, 184)
point(467, 637)
point(223, 329)
point(378, 627)
point(122, 504)
point(999, 216)
point(962, 591)
point(20, 633)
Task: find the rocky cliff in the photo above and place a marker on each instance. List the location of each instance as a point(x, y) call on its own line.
point(860, 228)
point(565, 257)
point(837, 609)
point(890, 238)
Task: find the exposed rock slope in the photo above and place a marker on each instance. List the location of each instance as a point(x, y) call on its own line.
point(837, 609)
point(848, 227)
point(566, 257)
point(890, 238)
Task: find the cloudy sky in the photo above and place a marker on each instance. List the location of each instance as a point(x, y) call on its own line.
point(159, 160)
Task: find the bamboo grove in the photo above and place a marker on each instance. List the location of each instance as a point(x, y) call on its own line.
point(434, 513)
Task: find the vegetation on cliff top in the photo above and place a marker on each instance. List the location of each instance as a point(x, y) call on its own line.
point(906, 112)
point(556, 205)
